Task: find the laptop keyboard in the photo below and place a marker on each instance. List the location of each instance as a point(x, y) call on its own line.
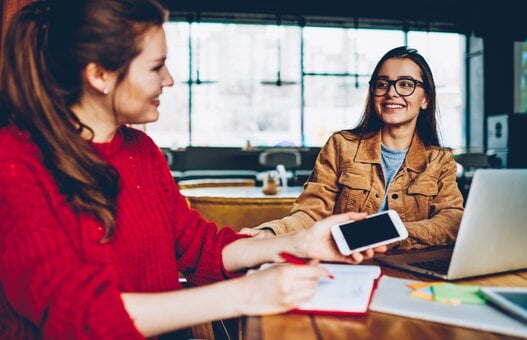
point(438, 266)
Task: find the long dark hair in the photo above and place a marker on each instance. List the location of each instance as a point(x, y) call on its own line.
point(426, 125)
point(47, 46)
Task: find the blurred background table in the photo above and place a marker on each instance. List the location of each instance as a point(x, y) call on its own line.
point(240, 206)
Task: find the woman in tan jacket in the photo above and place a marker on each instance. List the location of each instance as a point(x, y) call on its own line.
point(391, 160)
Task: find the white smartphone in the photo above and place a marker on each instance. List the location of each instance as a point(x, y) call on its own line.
point(510, 299)
point(373, 231)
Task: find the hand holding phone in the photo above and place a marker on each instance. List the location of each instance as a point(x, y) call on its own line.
point(373, 231)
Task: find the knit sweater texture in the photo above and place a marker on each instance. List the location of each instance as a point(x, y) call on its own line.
point(57, 280)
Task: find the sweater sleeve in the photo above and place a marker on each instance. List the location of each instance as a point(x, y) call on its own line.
point(198, 242)
point(44, 277)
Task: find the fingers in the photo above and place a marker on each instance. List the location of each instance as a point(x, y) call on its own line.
point(296, 284)
point(351, 259)
point(357, 257)
point(381, 249)
point(341, 218)
point(314, 262)
point(355, 216)
point(368, 253)
point(325, 274)
point(299, 296)
point(248, 231)
point(256, 233)
point(320, 272)
point(354, 258)
point(279, 288)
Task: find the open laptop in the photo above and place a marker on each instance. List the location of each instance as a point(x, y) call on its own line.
point(492, 236)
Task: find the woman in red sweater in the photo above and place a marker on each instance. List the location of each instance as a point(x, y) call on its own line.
point(94, 230)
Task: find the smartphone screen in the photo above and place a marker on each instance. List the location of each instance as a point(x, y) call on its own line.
point(368, 231)
point(512, 300)
point(518, 299)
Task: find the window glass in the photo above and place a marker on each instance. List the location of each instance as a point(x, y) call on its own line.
point(332, 104)
point(239, 97)
point(444, 53)
point(520, 76)
point(249, 83)
point(373, 44)
point(171, 129)
point(336, 102)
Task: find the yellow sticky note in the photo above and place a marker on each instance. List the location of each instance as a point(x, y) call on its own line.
point(419, 285)
point(424, 293)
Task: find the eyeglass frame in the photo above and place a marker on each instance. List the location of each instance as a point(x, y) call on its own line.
point(393, 83)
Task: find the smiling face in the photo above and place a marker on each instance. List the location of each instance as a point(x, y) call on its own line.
point(137, 97)
point(393, 109)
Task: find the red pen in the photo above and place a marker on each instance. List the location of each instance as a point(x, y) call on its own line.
point(290, 258)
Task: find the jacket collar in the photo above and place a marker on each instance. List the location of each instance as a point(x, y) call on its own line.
point(369, 151)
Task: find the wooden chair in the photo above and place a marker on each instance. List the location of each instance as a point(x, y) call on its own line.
point(241, 212)
point(289, 158)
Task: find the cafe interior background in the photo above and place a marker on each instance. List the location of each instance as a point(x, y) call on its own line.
point(255, 76)
point(262, 83)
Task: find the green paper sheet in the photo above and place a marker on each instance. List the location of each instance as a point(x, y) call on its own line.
point(456, 294)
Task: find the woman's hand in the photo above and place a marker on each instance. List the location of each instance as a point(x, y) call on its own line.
point(256, 233)
point(317, 242)
point(273, 290)
point(279, 288)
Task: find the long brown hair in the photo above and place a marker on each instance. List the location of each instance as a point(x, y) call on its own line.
point(426, 125)
point(47, 46)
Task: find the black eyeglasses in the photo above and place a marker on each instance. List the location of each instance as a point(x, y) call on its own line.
point(404, 87)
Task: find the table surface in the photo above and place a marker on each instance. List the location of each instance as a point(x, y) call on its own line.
point(373, 325)
point(241, 192)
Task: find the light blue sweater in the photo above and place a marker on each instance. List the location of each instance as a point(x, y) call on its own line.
point(391, 163)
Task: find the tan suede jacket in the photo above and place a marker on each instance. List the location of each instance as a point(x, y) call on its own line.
point(348, 176)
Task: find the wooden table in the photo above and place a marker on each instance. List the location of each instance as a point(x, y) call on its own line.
point(374, 325)
point(239, 207)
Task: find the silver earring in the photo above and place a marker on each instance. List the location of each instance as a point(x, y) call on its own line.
point(105, 90)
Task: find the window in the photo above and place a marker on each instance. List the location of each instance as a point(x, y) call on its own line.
point(445, 54)
point(520, 74)
point(338, 65)
point(281, 85)
point(172, 128)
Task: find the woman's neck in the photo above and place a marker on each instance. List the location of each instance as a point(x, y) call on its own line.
point(98, 118)
point(397, 139)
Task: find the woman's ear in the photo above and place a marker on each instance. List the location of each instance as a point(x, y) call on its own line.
point(98, 78)
point(424, 103)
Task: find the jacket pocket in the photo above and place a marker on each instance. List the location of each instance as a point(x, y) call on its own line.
point(355, 184)
point(424, 187)
point(419, 200)
point(356, 179)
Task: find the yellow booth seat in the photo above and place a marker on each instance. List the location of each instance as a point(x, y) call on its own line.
point(239, 207)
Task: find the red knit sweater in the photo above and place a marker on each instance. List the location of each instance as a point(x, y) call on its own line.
point(57, 280)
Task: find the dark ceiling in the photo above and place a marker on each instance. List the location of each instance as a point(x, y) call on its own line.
point(507, 18)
